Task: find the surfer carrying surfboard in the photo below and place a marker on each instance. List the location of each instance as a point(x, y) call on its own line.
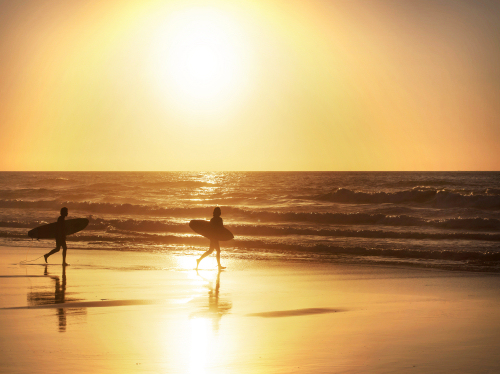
point(60, 237)
point(217, 224)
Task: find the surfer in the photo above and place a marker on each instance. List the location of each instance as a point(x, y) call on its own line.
point(60, 237)
point(216, 221)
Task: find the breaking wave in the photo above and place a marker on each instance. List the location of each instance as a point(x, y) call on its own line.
point(432, 197)
point(88, 208)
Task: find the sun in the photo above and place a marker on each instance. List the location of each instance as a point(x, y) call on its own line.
point(202, 58)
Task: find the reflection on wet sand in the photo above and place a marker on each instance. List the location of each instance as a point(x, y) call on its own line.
point(217, 306)
point(203, 339)
point(46, 297)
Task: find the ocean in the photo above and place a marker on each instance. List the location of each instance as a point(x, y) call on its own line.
point(448, 220)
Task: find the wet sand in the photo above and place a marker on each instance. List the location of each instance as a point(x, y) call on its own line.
point(128, 312)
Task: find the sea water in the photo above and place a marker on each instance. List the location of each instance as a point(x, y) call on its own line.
point(432, 219)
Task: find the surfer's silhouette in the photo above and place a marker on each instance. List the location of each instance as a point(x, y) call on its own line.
point(60, 237)
point(216, 221)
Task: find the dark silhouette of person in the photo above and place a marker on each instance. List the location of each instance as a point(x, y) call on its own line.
point(60, 237)
point(217, 223)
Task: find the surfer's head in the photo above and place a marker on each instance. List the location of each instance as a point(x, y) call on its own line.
point(217, 212)
point(64, 211)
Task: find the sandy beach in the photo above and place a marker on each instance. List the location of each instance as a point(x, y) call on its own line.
point(127, 312)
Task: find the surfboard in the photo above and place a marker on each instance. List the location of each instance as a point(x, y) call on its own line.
point(49, 231)
point(206, 229)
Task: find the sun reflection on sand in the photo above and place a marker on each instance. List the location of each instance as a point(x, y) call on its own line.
point(205, 324)
point(185, 262)
point(188, 262)
point(198, 345)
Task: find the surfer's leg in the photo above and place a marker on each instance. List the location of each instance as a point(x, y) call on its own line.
point(217, 247)
point(218, 258)
point(56, 249)
point(65, 248)
point(203, 256)
point(210, 250)
point(206, 254)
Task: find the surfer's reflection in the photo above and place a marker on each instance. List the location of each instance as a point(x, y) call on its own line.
point(54, 297)
point(217, 306)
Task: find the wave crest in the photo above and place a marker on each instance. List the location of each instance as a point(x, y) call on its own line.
point(417, 195)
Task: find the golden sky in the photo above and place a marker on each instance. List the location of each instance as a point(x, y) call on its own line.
point(249, 85)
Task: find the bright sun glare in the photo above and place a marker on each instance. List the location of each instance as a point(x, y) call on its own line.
point(201, 58)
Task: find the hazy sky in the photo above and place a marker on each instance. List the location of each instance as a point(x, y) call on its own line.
point(249, 85)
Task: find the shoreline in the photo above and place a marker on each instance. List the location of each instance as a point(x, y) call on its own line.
point(140, 312)
point(288, 255)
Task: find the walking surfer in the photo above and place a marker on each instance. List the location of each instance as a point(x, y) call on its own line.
point(60, 237)
point(216, 221)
